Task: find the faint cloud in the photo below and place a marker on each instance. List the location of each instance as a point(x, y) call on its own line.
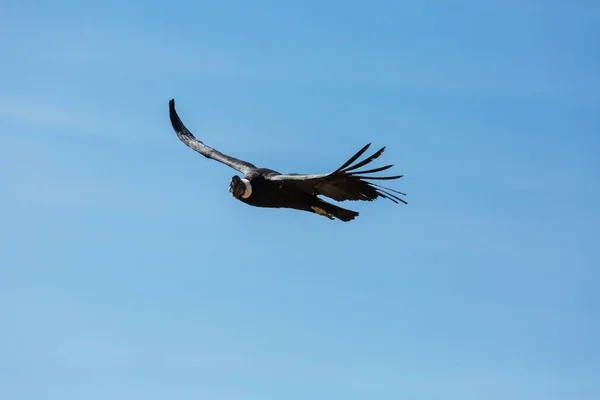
point(44, 117)
point(124, 51)
point(39, 113)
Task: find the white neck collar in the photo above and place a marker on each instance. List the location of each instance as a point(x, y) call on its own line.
point(248, 190)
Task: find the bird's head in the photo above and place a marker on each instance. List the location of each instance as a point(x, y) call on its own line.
point(240, 188)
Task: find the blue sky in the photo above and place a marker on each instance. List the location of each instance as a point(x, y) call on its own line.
point(127, 271)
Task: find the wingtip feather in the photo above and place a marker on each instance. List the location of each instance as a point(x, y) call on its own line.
point(354, 157)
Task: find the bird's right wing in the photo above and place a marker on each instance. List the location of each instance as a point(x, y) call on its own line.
point(345, 183)
point(186, 137)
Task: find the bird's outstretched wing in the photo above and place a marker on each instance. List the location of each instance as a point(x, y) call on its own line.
point(186, 137)
point(345, 183)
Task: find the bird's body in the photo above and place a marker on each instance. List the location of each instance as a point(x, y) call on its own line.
point(272, 194)
point(263, 187)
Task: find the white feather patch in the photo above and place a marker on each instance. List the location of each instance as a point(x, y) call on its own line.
point(248, 190)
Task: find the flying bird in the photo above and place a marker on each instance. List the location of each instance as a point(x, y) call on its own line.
point(263, 187)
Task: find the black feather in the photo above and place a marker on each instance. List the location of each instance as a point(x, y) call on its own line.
point(387, 188)
point(378, 177)
point(366, 160)
point(354, 157)
point(369, 171)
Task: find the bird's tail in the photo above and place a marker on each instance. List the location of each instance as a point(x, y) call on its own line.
point(332, 211)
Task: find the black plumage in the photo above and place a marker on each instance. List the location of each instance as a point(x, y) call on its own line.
point(263, 187)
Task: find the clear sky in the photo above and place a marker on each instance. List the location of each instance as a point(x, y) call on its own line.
point(127, 270)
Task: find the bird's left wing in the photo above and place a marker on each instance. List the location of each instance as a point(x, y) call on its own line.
point(345, 183)
point(186, 137)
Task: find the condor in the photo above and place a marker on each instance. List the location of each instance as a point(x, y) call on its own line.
point(263, 187)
